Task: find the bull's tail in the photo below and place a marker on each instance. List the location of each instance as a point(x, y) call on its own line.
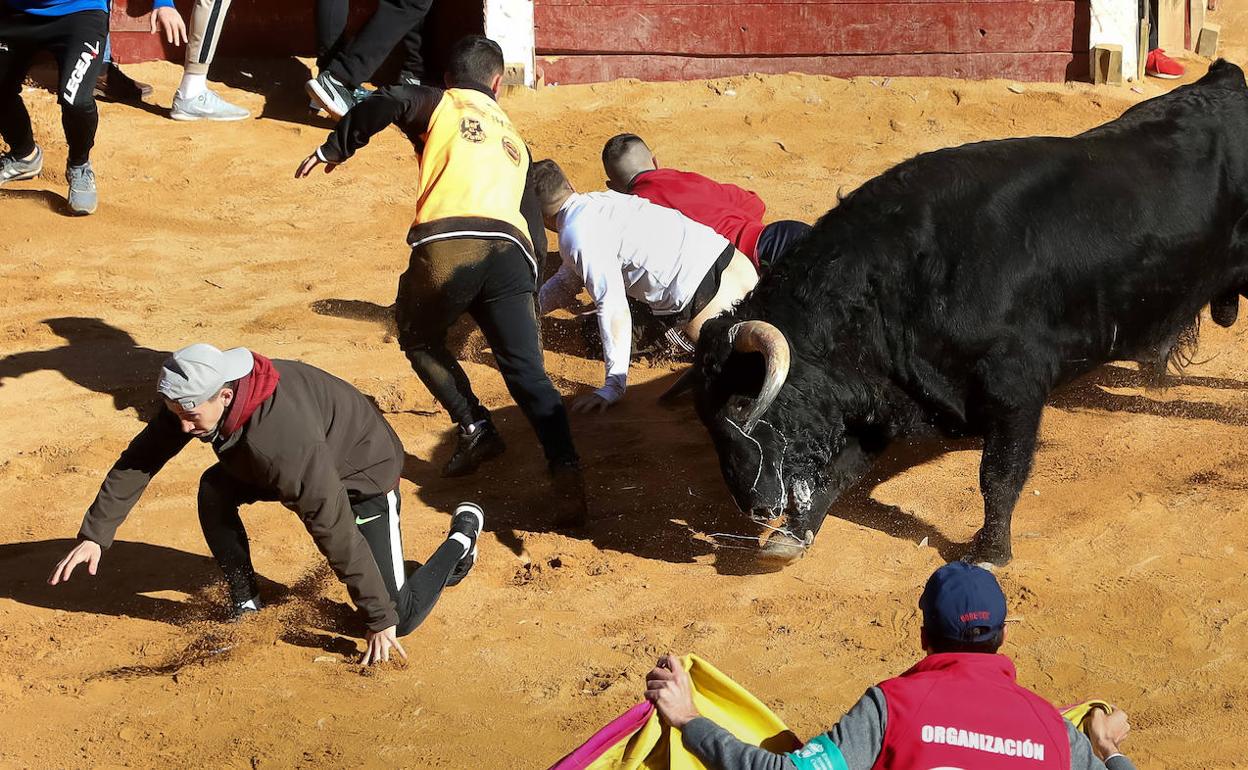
point(1183, 351)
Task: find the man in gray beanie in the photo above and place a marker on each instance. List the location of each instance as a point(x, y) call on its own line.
point(288, 432)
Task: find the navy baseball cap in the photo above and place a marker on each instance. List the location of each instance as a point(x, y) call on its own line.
point(962, 603)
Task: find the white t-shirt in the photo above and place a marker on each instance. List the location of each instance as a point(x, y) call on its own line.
point(620, 246)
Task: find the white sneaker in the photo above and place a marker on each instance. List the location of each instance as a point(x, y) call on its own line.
point(206, 106)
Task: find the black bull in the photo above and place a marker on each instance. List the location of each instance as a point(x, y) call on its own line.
point(950, 295)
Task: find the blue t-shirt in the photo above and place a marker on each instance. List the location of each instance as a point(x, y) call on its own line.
point(66, 7)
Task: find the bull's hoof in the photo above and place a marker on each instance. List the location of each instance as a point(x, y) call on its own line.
point(1224, 310)
point(782, 549)
point(988, 555)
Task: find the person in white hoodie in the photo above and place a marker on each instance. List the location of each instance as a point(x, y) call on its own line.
point(621, 246)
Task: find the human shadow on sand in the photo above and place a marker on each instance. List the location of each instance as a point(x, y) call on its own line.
point(131, 573)
point(653, 483)
point(655, 488)
point(54, 202)
point(99, 357)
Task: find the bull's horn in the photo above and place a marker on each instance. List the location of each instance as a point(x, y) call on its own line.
point(762, 337)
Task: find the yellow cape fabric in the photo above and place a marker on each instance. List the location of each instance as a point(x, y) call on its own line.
point(1077, 714)
point(725, 702)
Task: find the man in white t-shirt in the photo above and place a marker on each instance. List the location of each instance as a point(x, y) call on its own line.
point(619, 246)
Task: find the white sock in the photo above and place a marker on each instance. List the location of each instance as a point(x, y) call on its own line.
point(192, 85)
point(462, 539)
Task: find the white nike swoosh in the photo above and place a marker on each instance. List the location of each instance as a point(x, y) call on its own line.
point(359, 521)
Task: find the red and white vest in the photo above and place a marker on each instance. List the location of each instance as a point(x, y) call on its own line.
point(964, 711)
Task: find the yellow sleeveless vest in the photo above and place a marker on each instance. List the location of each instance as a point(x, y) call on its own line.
point(474, 163)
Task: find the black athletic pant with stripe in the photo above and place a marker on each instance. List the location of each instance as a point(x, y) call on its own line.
point(357, 58)
point(491, 280)
point(77, 41)
point(414, 595)
point(332, 43)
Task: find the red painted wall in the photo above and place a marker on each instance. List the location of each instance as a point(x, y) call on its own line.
point(590, 40)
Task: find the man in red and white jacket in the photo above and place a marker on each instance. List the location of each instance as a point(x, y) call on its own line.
point(959, 707)
point(731, 211)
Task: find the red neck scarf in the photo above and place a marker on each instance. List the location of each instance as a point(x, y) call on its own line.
point(253, 390)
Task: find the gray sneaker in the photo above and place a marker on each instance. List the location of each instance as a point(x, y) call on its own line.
point(82, 197)
point(14, 169)
point(331, 94)
point(206, 106)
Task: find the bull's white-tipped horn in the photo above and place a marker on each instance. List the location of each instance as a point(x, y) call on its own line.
point(762, 337)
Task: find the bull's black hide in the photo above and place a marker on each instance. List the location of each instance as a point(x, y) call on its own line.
point(951, 294)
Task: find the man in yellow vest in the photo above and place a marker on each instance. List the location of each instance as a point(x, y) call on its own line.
point(472, 251)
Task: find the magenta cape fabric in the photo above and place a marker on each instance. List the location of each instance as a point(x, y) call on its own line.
point(621, 727)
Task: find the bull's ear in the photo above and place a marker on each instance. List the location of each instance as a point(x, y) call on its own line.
point(725, 370)
point(714, 346)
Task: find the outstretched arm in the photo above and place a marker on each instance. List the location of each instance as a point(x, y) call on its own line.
point(858, 736)
point(408, 107)
point(156, 444)
point(605, 283)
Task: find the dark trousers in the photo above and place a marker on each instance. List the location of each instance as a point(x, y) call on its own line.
point(1148, 8)
point(777, 238)
point(377, 518)
point(77, 41)
point(491, 280)
point(353, 62)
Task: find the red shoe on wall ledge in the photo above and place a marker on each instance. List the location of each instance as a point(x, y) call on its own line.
point(1161, 66)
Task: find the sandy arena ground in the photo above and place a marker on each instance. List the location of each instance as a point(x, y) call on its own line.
point(1128, 581)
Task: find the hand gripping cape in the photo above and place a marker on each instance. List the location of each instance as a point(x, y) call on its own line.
point(637, 740)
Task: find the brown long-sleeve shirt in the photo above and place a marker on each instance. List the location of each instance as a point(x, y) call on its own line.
point(316, 444)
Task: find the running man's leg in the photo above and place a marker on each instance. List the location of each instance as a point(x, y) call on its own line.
point(193, 99)
point(79, 49)
point(331, 30)
point(220, 495)
point(506, 314)
point(393, 21)
point(441, 281)
point(412, 71)
point(17, 49)
point(414, 595)
point(77, 41)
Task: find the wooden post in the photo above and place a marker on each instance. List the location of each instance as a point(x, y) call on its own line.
point(1142, 51)
point(1208, 44)
point(1172, 26)
point(1195, 21)
point(1107, 64)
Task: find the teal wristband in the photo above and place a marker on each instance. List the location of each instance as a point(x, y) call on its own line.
point(819, 754)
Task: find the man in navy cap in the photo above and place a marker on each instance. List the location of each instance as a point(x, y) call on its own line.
point(959, 707)
point(287, 432)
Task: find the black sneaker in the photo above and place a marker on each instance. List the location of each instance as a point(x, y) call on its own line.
point(477, 443)
point(116, 86)
point(332, 94)
point(567, 484)
point(466, 525)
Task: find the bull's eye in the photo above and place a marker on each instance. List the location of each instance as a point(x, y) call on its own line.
point(739, 408)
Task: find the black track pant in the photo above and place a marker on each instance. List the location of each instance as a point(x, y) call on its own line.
point(777, 238)
point(414, 595)
point(77, 41)
point(491, 280)
point(354, 62)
